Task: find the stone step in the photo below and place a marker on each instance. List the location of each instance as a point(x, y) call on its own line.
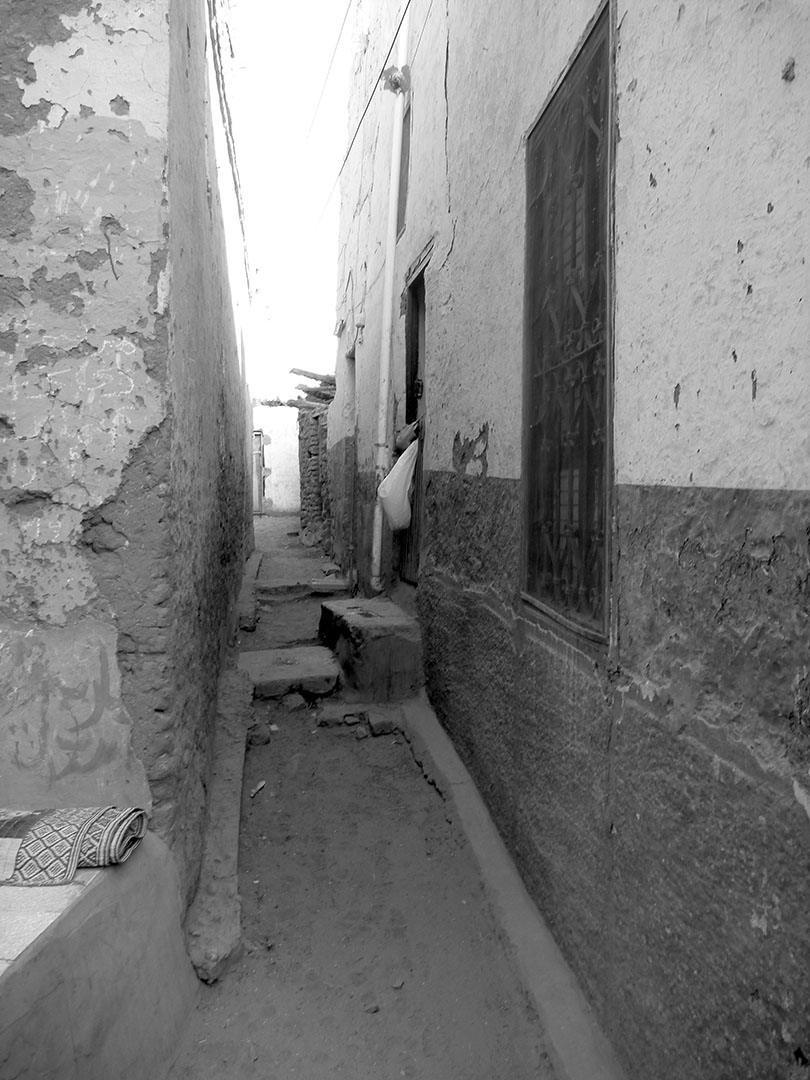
point(286, 623)
point(291, 588)
point(308, 669)
point(378, 645)
point(329, 585)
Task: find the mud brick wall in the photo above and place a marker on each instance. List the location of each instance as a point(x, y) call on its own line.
point(341, 470)
point(323, 482)
point(313, 461)
point(122, 416)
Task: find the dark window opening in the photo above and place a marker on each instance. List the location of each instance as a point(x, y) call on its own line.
point(411, 538)
point(567, 295)
point(404, 168)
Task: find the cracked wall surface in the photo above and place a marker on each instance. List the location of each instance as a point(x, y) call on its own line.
point(77, 398)
point(101, 700)
point(653, 788)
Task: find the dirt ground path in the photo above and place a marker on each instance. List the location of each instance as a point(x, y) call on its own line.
point(371, 950)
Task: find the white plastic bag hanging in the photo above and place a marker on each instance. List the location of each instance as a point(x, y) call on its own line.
point(395, 491)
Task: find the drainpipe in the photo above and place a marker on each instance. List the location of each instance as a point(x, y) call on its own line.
point(383, 449)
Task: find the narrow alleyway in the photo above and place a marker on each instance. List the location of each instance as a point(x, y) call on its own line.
point(371, 952)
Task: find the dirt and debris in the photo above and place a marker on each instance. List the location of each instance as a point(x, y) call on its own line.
point(371, 951)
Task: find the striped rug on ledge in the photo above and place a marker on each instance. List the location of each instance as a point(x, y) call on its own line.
point(46, 847)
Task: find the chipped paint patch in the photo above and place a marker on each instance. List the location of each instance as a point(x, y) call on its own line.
point(470, 455)
point(16, 201)
point(163, 283)
point(135, 54)
point(76, 422)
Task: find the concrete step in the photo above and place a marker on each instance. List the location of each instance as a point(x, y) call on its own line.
point(378, 645)
point(308, 669)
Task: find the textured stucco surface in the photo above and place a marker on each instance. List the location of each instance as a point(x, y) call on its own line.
point(122, 413)
point(211, 414)
point(714, 616)
point(712, 276)
point(654, 789)
point(713, 172)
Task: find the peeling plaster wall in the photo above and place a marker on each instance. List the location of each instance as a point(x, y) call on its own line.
point(83, 217)
point(655, 790)
point(112, 622)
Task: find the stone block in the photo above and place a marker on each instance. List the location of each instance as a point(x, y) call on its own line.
point(379, 647)
point(335, 714)
point(382, 721)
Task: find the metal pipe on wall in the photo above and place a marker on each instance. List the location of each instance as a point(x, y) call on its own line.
point(382, 444)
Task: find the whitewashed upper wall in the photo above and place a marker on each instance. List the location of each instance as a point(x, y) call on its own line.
point(713, 241)
point(703, 88)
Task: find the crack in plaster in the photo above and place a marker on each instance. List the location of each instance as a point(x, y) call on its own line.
point(447, 108)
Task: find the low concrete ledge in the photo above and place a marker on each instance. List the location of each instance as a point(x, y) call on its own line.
point(575, 1042)
point(101, 986)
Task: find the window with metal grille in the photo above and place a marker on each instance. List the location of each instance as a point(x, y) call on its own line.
point(568, 348)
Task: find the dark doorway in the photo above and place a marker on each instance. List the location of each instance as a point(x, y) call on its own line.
point(410, 538)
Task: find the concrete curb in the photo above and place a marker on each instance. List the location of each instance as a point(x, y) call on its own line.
point(576, 1044)
point(213, 925)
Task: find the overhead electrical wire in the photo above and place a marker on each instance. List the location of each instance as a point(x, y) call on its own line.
point(366, 108)
point(328, 71)
point(421, 32)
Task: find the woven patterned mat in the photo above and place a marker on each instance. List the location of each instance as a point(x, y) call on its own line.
point(45, 847)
